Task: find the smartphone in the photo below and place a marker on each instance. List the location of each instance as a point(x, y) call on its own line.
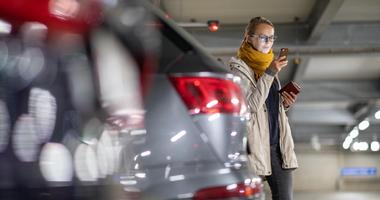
point(284, 52)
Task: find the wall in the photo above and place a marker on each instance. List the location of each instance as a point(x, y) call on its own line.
point(321, 171)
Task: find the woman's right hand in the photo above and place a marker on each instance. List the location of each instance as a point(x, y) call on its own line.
point(278, 63)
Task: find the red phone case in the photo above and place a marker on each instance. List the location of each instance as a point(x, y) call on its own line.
point(291, 87)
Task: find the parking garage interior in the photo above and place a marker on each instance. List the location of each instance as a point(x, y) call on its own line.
point(334, 54)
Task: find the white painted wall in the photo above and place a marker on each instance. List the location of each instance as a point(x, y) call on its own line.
point(321, 171)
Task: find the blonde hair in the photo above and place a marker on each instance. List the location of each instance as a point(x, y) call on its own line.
point(251, 27)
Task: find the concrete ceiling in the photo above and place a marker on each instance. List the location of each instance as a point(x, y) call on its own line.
point(334, 49)
point(341, 67)
point(237, 11)
point(284, 11)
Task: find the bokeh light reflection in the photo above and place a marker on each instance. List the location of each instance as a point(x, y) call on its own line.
point(85, 162)
point(56, 163)
point(4, 126)
point(25, 140)
point(43, 108)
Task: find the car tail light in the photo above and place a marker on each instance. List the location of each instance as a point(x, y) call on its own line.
point(210, 95)
point(242, 190)
point(66, 15)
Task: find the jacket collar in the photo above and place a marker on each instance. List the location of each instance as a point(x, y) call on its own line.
point(237, 61)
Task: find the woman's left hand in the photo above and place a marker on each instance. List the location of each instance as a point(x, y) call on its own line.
point(288, 99)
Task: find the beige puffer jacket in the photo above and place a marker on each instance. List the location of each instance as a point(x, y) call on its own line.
point(256, 93)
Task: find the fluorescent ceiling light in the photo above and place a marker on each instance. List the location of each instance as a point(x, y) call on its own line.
point(377, 114)
point(363, 125)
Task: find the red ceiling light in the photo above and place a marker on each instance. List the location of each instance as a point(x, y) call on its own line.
point(213, 25)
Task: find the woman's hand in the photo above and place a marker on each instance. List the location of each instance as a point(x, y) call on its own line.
point(278, 63)
point(288, 99)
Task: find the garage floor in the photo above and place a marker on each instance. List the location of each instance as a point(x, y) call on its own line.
point(330, 195)
point(341, 195)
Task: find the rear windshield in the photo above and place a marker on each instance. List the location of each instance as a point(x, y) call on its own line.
point(173, 46)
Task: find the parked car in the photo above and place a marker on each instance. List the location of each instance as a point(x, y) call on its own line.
point(115, 101)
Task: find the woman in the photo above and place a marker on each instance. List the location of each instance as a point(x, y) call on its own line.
point(271, 147)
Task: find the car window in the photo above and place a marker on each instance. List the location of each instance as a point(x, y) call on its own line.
point(173, 46)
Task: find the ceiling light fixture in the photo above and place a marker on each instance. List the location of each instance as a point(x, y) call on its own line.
point(375, 146)
point(377, 114)
point(360, 146)
point(363, 125)
point(346, 144)
point(213, 25)
point(354, 133)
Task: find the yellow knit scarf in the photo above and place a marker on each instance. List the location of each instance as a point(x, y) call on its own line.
point(256, 60)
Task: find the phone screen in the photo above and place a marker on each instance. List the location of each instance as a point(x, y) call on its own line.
point(284, 52)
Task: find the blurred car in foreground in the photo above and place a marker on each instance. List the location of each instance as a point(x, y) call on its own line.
point(116, 103)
